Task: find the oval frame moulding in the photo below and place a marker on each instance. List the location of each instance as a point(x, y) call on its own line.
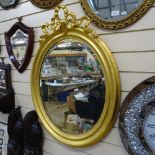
point(117, 24)
point(71, 28)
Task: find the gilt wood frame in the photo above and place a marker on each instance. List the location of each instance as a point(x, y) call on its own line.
point(71, 28)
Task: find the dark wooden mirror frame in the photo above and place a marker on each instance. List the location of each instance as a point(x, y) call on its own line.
point(10, 6)
point(29, 49)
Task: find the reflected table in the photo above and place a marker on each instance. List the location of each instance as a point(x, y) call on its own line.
point(54, 87)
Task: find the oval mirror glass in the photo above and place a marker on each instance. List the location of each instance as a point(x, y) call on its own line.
point(72, 86)
point(114, 14)
point(19, 42)
point(112, 10)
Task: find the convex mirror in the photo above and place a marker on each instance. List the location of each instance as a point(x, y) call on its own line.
point(115, 14)
point(19, 43)
point(74, 81)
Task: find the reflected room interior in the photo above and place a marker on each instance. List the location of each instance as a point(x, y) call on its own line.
point(72, 86)
point(19, 42)
point(2, 79)
point(113, 9)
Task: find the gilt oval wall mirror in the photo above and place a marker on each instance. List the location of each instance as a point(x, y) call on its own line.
point(115, 14)
point(19, 43)
point(74, 82)
point(45, 4)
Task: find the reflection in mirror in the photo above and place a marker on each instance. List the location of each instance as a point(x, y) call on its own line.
point(2, 79)
point(72, 86)
point(8, 3)
point(19, 42)
point(113, 9)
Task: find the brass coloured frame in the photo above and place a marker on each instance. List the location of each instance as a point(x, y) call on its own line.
point(45, 4)
point(70, 28)
point(123, 22)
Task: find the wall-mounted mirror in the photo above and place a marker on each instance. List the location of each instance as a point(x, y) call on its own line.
point(19, 43)
point(74, 81)
point(8, 3)
point(115, 14)
point(137, 119)
point(45, 4)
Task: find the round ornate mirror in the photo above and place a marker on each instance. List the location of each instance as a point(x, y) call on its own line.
point(115, 14)
point(75, 83)
point(45, 4)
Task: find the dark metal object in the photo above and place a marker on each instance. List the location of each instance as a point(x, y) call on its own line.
point(28, 53)
point(8, 3)
point(7, 101)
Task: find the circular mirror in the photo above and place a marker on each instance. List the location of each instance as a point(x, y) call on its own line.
point(74, 82)
point(72, 86)
point(114, 14)
point(45, 4)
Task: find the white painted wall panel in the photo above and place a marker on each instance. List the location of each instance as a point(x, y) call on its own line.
point(133, 48)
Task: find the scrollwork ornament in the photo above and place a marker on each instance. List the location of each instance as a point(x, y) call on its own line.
point(65, 24)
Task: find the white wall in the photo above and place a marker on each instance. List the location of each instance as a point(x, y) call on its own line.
point(132, 47)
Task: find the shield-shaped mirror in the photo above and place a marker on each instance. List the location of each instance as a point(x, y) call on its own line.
point(19, 43)
point(8, 3)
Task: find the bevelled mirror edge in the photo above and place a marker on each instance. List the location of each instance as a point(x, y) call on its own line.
point(29, 47)
point(135, 15)
point(81, 32)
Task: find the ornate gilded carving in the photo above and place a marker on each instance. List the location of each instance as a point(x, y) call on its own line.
point(65, 24)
